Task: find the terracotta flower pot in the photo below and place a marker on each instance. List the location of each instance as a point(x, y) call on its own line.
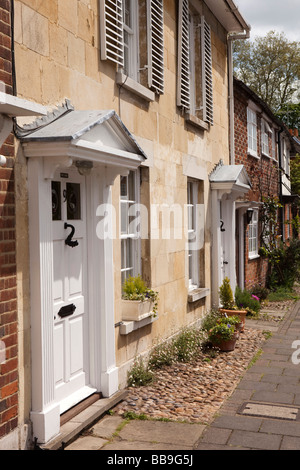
point(226, 345)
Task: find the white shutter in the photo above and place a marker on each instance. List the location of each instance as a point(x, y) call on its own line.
point(111, 31)
point(183, 88)
point(155, 45)
point(207, 86)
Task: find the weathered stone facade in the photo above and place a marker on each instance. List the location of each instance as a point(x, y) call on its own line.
point(57, 50)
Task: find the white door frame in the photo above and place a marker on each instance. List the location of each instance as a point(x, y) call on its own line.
point(101, 139)
point(45, 413)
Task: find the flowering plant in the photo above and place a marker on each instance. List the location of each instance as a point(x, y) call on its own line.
point(223, 331)
point(134, 288)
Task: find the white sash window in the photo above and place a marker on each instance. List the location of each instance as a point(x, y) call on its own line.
point(130, 239)
point(252, 132)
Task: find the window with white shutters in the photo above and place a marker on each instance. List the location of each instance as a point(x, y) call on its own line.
point(195, 87)
point(132, 36)
point(111, 28)
point(183, 94)
point(156, 45)
point(207, 85)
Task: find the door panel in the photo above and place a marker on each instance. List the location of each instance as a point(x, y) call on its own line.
point(70, 308)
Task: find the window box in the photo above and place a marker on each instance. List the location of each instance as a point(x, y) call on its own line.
point(137, 310)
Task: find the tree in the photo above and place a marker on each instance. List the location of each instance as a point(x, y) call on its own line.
point(295, 174)
point(290, 115)
point(270, 66)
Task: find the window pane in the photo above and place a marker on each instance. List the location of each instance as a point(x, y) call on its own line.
point(123, 187)
point(73, 201)
point(124, 218)
point(56, 200)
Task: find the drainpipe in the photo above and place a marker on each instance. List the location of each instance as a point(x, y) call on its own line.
point(231, 37)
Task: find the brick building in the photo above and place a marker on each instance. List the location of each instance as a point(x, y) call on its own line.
point(10, 107)
point(264, 146)
point(8, 293)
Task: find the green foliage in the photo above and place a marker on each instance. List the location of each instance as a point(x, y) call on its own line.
point(245, 300)
point(226, 295)
point(282, 294)
point(260, 291)
point(290, 115)
point(270, 66)
point(182, 348)
point(223, 331)
point(284, 263)
point(295, 174)
point(210, 320)
point(187, 344)
point(139, 374)
point(162, 355)
point(134, 288)
point(270, 223)
point(220, 327)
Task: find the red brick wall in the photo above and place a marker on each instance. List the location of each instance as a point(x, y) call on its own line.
point(263, 173)
point(8, 292)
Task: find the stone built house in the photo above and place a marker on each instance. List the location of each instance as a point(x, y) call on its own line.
point(264, 146)
point(118, 132)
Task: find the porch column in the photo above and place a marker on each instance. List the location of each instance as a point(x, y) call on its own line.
point(216, 248)
point(45, 413)
point(103, 283)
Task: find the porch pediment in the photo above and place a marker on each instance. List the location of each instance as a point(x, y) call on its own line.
point(99, 137)
point(230, 178)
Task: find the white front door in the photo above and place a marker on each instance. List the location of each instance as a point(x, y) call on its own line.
point(70, 299)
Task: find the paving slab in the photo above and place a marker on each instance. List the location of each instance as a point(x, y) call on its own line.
point(254, 440)
point(107, 427)
point(87, 443)
point(176, 434)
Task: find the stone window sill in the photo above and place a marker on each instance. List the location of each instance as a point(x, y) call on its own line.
point(191, 119)
point(252, 154)
point(135, 87)
point(127, 327)
point(251, 257)
point(197, 294)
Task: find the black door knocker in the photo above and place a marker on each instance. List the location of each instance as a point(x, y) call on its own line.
point(68, 240)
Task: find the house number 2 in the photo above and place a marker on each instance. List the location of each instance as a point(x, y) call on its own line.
point(68, 240)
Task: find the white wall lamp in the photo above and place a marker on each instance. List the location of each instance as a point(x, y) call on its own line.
point(2, 160)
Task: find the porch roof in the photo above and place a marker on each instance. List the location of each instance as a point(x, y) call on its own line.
point(66, 137)
point(231, 177)
point(73, 125)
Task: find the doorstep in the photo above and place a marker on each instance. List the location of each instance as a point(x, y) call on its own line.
point(71, 429)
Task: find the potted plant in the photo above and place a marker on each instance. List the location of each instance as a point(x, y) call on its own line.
point(227, 302)
point(223, 335)
point(138, 300)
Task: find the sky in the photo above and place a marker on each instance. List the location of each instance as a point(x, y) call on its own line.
point(266, 15)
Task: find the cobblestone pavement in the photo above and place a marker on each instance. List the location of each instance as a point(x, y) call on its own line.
point(210, 403)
